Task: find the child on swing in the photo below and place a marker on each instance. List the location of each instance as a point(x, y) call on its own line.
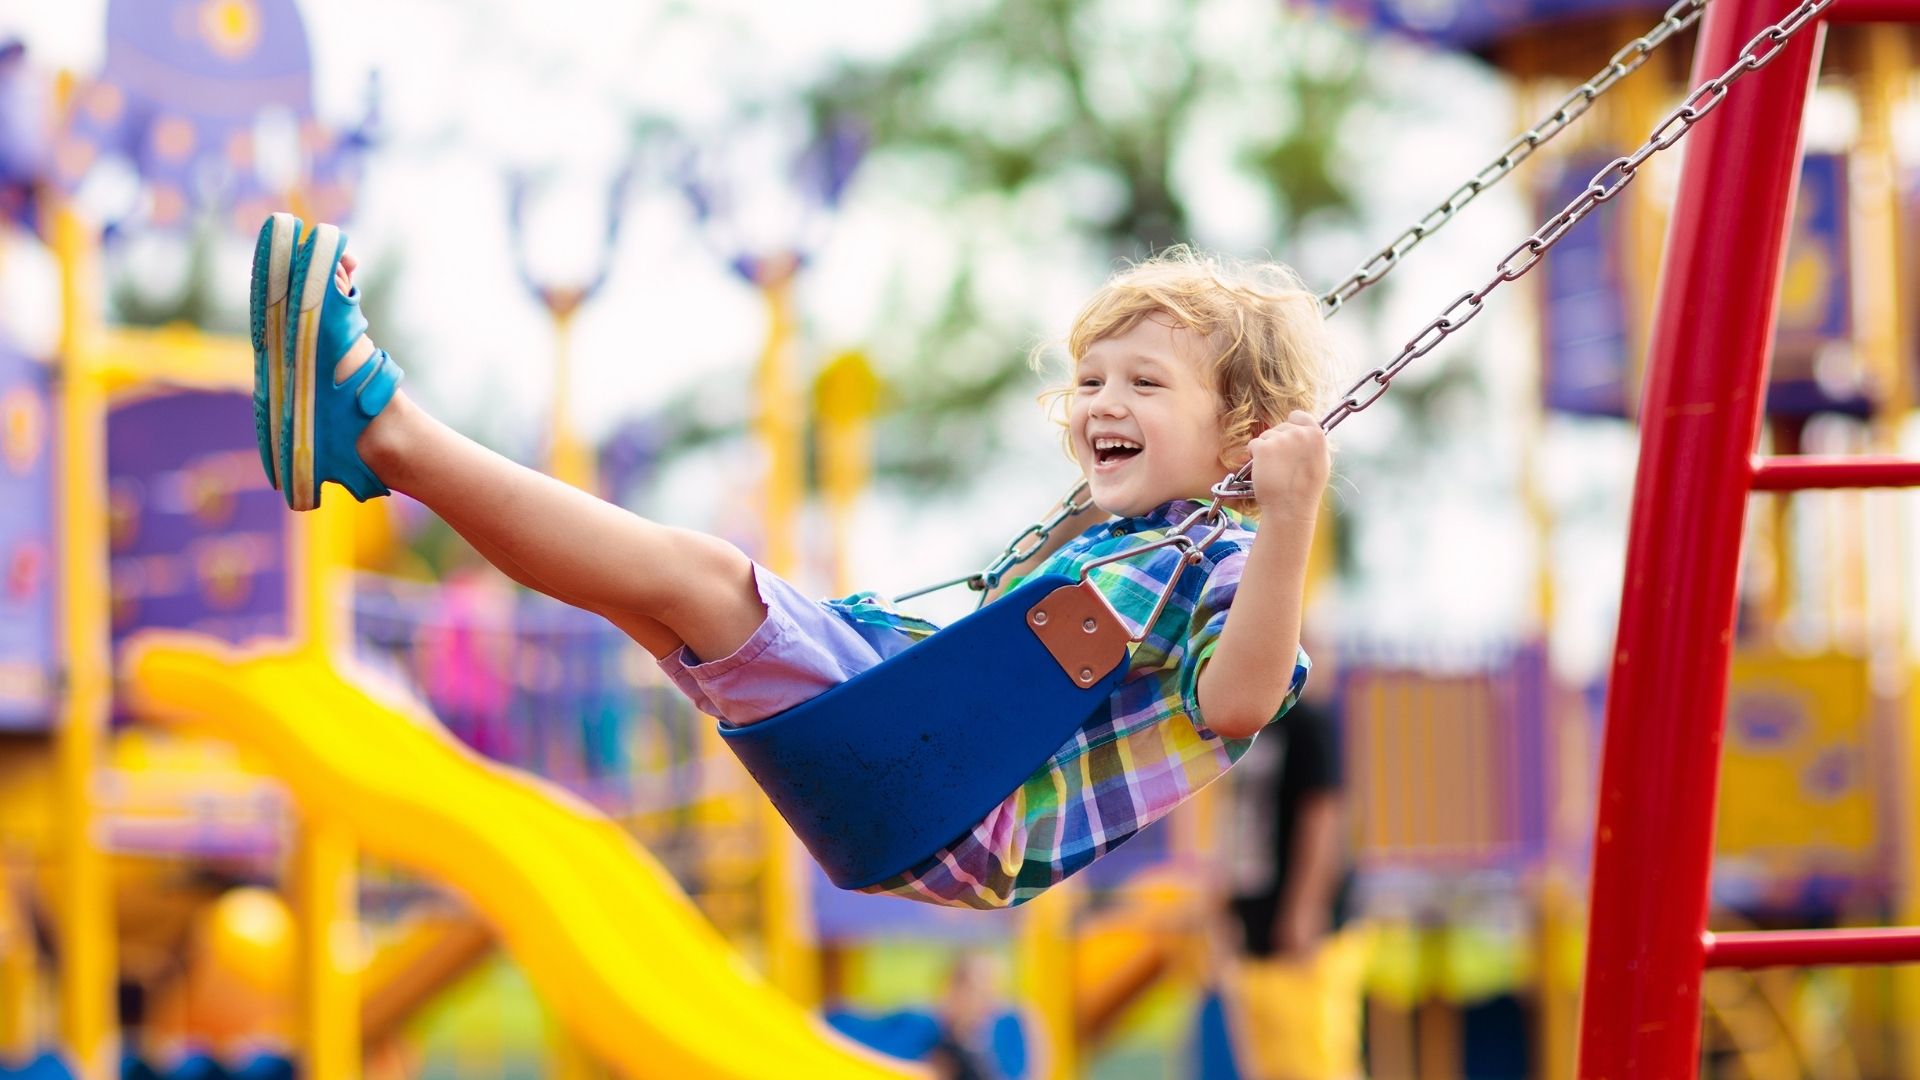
point(1184, 368)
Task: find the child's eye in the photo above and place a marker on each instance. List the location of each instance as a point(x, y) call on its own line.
point(1144, 381)
point(1089, 383)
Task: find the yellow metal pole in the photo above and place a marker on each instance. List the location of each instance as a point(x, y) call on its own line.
point(846, 396)
point(785, 912)
point(569, 460)
point(779, 411)
point(325, 870)
point(1636, 105)
point(325, 903)
point(322, 550)
point(19, 972)
point(1045, 977)
point(1884, 337)
point(83, 906)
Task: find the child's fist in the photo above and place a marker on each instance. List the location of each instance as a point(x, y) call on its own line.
point(1290, 465)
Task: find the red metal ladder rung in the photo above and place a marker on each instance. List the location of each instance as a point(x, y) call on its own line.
point(1874, 11)
point(1779, 948)
point(1798, 473)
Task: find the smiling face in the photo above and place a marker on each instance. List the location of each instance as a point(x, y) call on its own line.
point(1144, 419)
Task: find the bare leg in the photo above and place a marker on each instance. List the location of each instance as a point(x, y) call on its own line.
point(662, 585)
point(651, 634)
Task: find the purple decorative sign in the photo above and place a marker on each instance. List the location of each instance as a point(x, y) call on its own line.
point(1816, 301)
point(1475, 25)
point(28, 573)
point(211, 101)
point(199, 541)
point(1584, 338)
point(23, 134)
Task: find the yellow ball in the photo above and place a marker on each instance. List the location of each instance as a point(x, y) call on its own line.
point(249, 938)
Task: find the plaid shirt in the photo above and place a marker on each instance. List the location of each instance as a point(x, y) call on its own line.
point(1123, 770)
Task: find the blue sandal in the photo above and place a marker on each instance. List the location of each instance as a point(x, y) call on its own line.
point(319, 420)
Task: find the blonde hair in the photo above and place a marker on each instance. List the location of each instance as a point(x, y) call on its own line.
point(1266, 341)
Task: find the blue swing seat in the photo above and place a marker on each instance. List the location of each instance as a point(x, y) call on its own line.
point(880, 772)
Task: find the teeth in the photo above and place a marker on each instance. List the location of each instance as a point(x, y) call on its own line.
point(1115, 444)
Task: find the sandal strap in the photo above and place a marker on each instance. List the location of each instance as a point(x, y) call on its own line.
point(341, 320)
point(350, 407)
point(381, 381)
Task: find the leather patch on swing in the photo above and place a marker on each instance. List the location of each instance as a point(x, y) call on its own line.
point(1080, 631)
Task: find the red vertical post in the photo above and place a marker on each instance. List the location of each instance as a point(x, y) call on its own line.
point(1706, 376)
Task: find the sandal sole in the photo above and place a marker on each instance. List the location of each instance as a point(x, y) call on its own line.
point(267, 317)
point(312, 276)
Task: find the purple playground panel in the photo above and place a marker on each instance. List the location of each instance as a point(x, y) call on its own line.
point(197, 539)
point(29, 571)
point(1477, 25)
point(1447, 756)
point(538, 685)
point(189, 95)
point(1586, 342)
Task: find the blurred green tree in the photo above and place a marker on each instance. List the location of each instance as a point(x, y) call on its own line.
point(1089, 131)
point(1023, 144)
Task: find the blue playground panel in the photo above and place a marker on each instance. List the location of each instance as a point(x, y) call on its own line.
point(194, 1067)
point(911, 1035)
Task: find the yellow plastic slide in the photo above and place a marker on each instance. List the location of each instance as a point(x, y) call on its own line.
point(608, 939)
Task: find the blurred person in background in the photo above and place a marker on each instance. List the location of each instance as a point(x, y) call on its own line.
point(966, 1014)
point(1292, 982)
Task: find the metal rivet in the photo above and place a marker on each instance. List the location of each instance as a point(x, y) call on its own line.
point(1039, 618)
point(1086, 674)
point(1090, 626)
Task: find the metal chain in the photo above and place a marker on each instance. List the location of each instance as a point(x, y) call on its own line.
point(1607, 183)
point(1025, 545)
point(1681, 15)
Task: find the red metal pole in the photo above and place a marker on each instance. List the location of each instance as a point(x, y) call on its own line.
point(1852, 471)
point(1779, 948)
point(1706, 370)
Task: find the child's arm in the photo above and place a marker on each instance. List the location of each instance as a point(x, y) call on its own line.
point(1251, 671)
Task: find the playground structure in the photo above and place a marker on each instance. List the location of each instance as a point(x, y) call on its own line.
point(194, 543)
point(1499, 715)
point(1707, 366)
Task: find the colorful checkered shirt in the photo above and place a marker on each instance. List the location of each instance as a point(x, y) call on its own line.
point(1126, 768)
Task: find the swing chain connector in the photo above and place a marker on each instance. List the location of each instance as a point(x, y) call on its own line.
point(1209, 516)
point(1607, 183)
point(1025, 545)
point(1628, 59)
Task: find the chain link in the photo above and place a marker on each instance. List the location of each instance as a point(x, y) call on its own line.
point(1017, 550)
point(1607, 183)
point(1570, 108)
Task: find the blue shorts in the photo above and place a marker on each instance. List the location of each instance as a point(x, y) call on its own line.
point(802, 649)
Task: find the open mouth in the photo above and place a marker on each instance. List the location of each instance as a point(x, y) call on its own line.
point(1110, 451)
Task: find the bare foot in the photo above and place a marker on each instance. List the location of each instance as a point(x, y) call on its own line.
point(357, 355)
point(377, 445)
